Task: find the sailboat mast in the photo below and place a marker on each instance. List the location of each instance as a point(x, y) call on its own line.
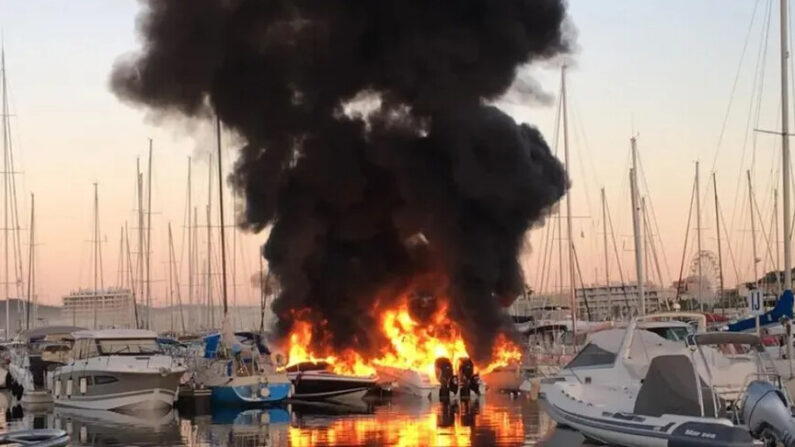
point(149, 239)
point(170, 281)
point(777, 264)
point(698, 239)
point(633, 181)
point(607, 259)
point(96, 250)
point(785, 167)
point(6, 171)
point(190, 242)
point(221, 212)
point(210, 312)
point(140, 181)
point(720, 254)
point(30, 260)
point(573, 295)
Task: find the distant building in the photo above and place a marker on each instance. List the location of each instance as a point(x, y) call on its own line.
point(107, 308)
point(616, 300)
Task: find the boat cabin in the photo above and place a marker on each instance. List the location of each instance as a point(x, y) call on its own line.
point(125, 342)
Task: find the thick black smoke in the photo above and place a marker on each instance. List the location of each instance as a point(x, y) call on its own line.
point(369, 145)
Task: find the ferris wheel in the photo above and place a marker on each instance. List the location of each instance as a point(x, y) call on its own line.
point(709, 272)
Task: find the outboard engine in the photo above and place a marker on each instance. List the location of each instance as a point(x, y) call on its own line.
point(448, 382)
point(468, 379)
point(766, 412)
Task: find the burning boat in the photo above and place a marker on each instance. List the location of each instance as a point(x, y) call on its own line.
point(316, 380)
point(426, 359)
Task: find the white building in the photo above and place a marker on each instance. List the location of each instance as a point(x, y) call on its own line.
point(616, 300)
point(105, 308)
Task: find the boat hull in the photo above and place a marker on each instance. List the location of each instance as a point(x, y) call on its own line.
point(250, 391)
point(631, 430)
point(128, 391)
point(311, 385)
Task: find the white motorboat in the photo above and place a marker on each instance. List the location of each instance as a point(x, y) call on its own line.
point(117, 369)
point(631, 387)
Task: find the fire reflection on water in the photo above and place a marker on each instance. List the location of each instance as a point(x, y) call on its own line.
point(460, 423)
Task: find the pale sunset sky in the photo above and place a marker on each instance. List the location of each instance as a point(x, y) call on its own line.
point(666, 70)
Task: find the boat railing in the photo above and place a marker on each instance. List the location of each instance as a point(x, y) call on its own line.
point(735, 396)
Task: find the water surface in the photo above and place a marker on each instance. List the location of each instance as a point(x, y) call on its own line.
point(400, 421)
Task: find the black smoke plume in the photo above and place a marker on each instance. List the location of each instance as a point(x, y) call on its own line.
point(371, 149)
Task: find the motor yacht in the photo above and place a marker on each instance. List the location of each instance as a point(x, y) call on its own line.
point(632, 387)
point(119, 370)
point(315, 381)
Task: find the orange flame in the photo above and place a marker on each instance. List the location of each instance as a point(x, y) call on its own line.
point(413, 345)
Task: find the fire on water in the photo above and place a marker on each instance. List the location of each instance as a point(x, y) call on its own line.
point(413, 345)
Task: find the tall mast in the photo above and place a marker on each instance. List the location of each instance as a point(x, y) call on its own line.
point(190, 242)
point(96, 251)
point(785, 190)
point(170, 280)
point(210, 312)
point(720, 254)
point(30, 260)
point(195, 237)
point(698, 239)
point(149, 239)
point(221, 213)
point(636, 226)
point(144, 320)
point(573, 296)
point(753, 225)
point(6, 173)
point(607, 259)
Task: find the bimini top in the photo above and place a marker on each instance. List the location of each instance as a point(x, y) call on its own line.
point(40, 333)
point(726, 338)
point(115, 334)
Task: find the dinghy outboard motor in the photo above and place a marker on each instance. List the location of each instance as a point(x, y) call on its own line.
point(767, 415)
point(448, 382)
point(468, 379)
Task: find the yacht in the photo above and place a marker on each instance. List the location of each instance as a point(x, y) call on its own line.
point(38, 353)
point(632, 387)
point(118, 370)
point(315, 381)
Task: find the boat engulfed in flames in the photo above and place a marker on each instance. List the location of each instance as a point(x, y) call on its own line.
point(420, 358)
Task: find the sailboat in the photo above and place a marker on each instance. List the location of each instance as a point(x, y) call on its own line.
point(237, 368)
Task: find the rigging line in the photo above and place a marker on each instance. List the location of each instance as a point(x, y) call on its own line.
point(764, 231)
point(756, 99)
point(618, 259)
point(687, 236)
point(582, 283)
point(729, 245)
point(734, 86)
point(654, 219)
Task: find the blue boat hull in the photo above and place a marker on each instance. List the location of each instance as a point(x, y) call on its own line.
point(772, 317)
point(248, 395)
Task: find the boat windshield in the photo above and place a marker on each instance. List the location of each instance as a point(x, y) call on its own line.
point(675, 333)
point(128, 346)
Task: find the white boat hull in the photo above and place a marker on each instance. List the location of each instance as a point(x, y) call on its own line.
point(143, 400)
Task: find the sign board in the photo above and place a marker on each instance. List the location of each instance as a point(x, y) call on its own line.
point(755, 302)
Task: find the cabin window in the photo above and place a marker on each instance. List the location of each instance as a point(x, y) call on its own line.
point(129, 346)
point(592, 355)
point(104, 380)
point(90, 349)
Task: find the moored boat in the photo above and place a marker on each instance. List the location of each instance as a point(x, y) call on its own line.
point(117, 369)
point(314, 381)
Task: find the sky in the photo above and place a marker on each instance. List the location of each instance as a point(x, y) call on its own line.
point(667, 71)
